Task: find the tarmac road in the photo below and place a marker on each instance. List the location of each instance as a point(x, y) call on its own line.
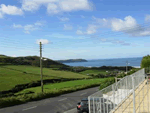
point(65, 103)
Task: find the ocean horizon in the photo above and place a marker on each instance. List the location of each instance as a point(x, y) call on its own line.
point(135, 62)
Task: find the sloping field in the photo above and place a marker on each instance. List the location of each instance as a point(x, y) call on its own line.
point(12, 75)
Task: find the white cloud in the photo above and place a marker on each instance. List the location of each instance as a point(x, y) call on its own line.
point(52, 8)
point(10, 10)
point(29, 27)
point(57, 6)
point(30, 5)
point(64, 19)
point(91, 29)
point(17, 26)
point(1, 15)
point(113, 41)
point(143, 33)
point(43, 41)
point(124, 25)
point(79, 32)
point(102, 22)
point(147, 18)
point(67, 27)
point(72, 5)
point(39, 23)
point(129, 26)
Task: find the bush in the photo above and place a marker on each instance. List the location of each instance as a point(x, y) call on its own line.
point(145, 62)
point(107, 83)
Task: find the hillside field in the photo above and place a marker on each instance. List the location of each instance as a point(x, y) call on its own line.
point(12, 75)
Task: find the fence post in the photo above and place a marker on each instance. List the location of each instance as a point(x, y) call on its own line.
point(133, 94)
point(113, 88)
point(89, 104)
point(93, 105)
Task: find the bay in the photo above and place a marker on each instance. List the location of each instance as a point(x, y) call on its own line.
point(135, 62)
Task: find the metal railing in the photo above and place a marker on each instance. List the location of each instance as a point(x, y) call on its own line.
point(111, 98)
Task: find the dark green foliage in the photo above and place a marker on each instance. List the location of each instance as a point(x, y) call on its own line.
point(10, 102)
point(107, 83)
point(111, 68)
point(100, 76)
point(145, 62)
point(121, 75)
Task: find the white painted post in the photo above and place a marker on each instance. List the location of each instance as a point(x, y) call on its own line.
point(93, 105)
point(89, 100)
point(113, 96)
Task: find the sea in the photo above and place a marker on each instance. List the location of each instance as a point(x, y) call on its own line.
point(135, 62)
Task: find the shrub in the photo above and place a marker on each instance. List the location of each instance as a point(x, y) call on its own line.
point(107, 83)
point(145, 62)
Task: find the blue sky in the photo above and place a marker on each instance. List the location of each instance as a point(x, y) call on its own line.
point(68, 29)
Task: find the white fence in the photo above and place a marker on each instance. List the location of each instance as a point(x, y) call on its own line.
point(109, 98)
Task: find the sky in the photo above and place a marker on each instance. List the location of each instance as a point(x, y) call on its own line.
point(70, 29)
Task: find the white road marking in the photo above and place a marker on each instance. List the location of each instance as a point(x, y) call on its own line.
point(29, 108)
point(83, 93)
point(71, 111)
point(70, 104)
point(62, 99)
point(64, 106)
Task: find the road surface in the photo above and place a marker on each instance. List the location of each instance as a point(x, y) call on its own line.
point(65, 103)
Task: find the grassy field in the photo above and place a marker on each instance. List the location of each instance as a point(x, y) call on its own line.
point(52, 90)
point(12, 75)
point(94, 72)
point(63, 85)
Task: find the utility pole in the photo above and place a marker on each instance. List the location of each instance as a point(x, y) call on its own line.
point(41, 66)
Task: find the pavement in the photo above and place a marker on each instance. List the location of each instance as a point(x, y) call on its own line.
point(65, 103)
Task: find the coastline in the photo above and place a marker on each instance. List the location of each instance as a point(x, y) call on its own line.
point(113, 66)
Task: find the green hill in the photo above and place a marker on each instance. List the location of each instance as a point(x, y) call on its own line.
point(30, 60)
point(11, 75)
